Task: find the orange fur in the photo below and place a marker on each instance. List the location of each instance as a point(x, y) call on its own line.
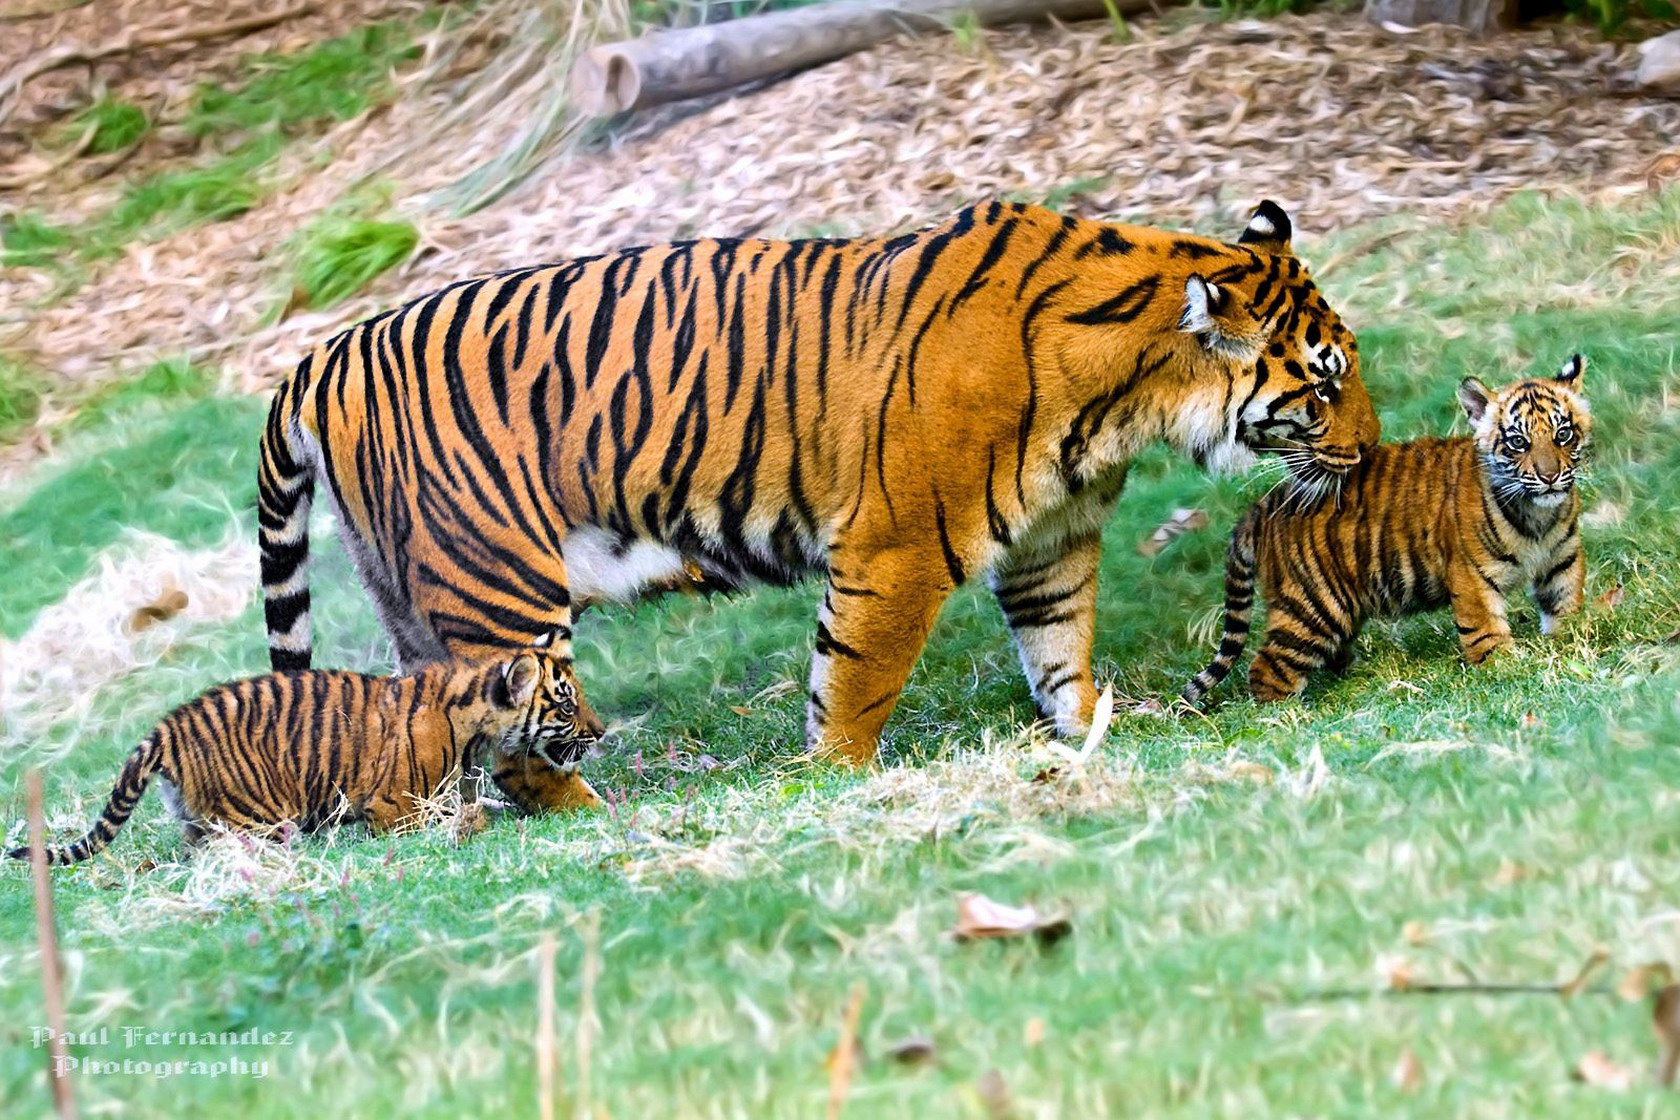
point(897, 414)
point(1436, 522)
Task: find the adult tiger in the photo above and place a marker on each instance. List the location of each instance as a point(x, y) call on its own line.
point(897, 413)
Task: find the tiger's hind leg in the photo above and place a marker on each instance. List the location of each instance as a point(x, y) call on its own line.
point(1299, 642)
point(1050, 604)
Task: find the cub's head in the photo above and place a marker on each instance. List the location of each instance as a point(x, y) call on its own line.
point(1292, 366)
point(539, 708)
point(1533, 435)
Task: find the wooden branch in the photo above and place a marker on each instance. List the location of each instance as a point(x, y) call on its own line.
point(46, 935)
point(695, 61)
point(142, 38)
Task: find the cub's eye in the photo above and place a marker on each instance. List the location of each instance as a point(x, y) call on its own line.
point(566, 706)
point(1517, 443)
point(1565, 436)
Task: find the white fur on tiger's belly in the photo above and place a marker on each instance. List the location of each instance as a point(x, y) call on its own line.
point(595, 574)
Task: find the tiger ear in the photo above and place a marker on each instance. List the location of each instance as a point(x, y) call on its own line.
point(1269, 230)
point(1571, 372)
point(1474, 396)
point(1202, 301)
point(520, 678)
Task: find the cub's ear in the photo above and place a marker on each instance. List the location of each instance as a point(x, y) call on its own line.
point(1269, 230)
point(1474, 396)
point(519, 680)
point(1571, 372)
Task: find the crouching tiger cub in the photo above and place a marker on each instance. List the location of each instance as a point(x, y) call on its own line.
point(1419, 525)
point(317, 747)
point(897, 414)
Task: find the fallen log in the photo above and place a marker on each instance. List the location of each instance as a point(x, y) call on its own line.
point(695, 61)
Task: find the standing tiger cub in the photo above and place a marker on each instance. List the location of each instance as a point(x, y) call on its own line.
point(1419, 525)
point(319, 746)
point(894, 414)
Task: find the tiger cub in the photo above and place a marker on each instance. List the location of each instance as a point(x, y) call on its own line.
point(1418, 525)
point(319, 746)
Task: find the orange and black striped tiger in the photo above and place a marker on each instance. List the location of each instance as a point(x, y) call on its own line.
point(898, 414)
point(315, 747)
point(1416, 526)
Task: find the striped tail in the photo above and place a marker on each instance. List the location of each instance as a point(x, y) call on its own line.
point(1239, 603)
point(285, 492)
point(145, 761)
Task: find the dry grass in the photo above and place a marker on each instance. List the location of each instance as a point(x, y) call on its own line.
point(97, 632)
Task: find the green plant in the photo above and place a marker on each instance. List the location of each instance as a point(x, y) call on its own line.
point(21, 393)
point(28, 241)
point(336, 256)
point(332, 81)
point(116, 124)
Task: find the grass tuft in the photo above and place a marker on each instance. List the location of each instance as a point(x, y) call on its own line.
point(116, 125)
point(337, 256)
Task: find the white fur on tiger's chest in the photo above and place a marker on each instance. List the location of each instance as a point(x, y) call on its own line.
point(600, 569)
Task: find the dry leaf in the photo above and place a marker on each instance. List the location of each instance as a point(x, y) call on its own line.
point(1396, 972)
point(166, 606)
point(1530, 721)
point(1611, 599)
point(980, 918)
point(1673, 636)
point(1598, 1070)
point(1033, 1033)
point(994, 1095)
point(1665, 1020)
point(1407, 1074)
point(1415, 932)
point(842, 1060)
point(1637, 982)
point(1102, 715)
point(1595, 961)
point(1509, 873)
point(1182, 521)
point(1047, 775)
point(1251, 771)
point(741, 709)
point(916, 1050)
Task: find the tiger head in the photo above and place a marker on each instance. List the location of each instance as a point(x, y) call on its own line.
point(1292, 366)
point(1533, 435)
point(539, 708)
point(541, 728)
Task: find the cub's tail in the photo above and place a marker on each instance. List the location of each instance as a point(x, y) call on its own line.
point(137, 772)
point(285, 492)
point(1239, 603)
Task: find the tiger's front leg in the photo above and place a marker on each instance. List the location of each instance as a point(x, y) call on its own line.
point(1479, 610)
point(1560, 590)
point(875, 617)
point(1050, 603)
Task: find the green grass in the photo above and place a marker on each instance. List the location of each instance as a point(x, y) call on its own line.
point(116, 124)
point(337, 256)
point(1497, 823)
point(244, 127)
point(21, 392)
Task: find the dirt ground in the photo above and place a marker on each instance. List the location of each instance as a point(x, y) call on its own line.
point(1189, 123)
